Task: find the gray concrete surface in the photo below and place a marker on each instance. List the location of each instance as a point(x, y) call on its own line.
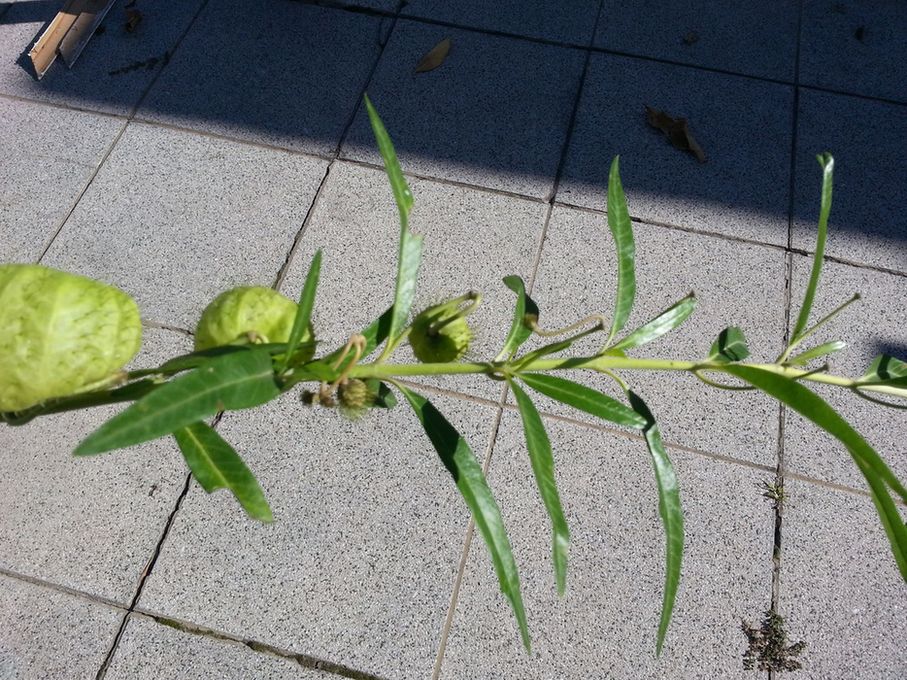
point(47, 633)
point(250, 149)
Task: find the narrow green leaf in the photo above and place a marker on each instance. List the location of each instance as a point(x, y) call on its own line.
point(545, 350)
point(542, 460)
point(664, 323)
point(622, 231)
point(304, 312)
point(877, 473)
point(730, 346)
point(519, 331)
point(885, 368)
point(584, 398)
point(215, 465)
point(670, 510)
point(819, 351)
point(410, 249)
point(232, 381)
point(828, 166)
point(459, 460)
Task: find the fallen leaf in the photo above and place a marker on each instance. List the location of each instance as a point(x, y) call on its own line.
point(434, 57)
point(677, 130)
point(133, 18)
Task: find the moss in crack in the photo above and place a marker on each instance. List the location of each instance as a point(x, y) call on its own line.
point(768, 649)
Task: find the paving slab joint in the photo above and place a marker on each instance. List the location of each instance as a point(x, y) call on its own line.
point(303, 660)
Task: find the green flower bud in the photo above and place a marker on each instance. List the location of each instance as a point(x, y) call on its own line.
point(440, 333)
point(355, 397)
point(250, 313)
point(60, 334)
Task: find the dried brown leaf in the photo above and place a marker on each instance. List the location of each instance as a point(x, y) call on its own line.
point(677, 130)
point(434, 57)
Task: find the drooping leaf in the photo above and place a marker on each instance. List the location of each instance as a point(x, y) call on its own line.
point(815, 352)
point(467, 473)
point(539, 447)
point(232, 381)
point(877, 474)
point(664, 323)
point(729, 347)
point(519, 331)
point(434, 57)
point(304, 311)
point(584, 398)
point(670, 510)
point(216, 465)
point(884, 368)
point(828, 166)
point(677, 130)
point(410, 247)
point(622, 230)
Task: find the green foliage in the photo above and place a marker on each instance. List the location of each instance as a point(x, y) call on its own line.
point(242, 364)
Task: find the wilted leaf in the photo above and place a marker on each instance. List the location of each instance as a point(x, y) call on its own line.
point(677, 130)
point(434, 57)
point(730, 346)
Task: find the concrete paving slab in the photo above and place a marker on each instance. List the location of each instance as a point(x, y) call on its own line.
point(874, 325)
point(472, 240)
point(49, 157)
point(867, 224)
point(841, 592)
point(735, 283)
point(606, 624)
point(743, 126)
point(51, 634)
point(359, 564)
point(116, 66)
point(511, 134)
point(757, 39)
point(174, 219)
point(855, 46)
point(87, 523)
point(570, 22)
point(232, 73)
point(152, 651)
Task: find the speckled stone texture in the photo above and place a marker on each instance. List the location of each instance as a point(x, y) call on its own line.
point(152, 651)
point(606, 624)
point(841, 592)
point(87, 523)
point(50, 634)
point(115, 68)
point(269, 73)
point(572, 24)
point(49, 156)
point(359, 564)
point(874, 325)
point(510, 135)
point(868, 224)
point(757, 39)
point(743, 125)
point(855, 46)
point(472, 240)
point(174, 219)
point(735, 283)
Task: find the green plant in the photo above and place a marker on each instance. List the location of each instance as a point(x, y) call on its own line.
point(178, 397)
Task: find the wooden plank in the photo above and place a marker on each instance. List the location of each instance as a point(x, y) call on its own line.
point(44, 51)
point(83, 29)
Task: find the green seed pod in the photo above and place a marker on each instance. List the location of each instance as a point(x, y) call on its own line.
point(249, 312)
point(440, 334)
point(60, 333)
